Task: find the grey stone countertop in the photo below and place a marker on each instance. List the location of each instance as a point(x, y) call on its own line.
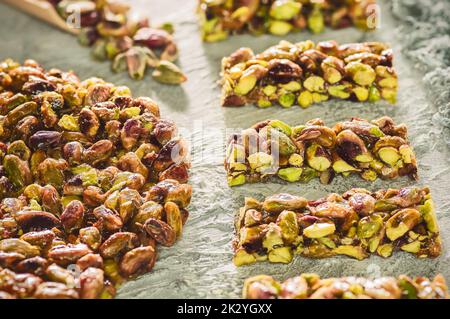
point(200, 264)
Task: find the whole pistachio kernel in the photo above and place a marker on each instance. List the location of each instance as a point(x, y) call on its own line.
point(69, 123)
point(284, 9)
point(281, 126)
point(269, 90)
point(168, 73)
point(305, 99)
point(314, 84)
point(362, 74)
point(278, 27)
point(316, 20)
point(292, 86)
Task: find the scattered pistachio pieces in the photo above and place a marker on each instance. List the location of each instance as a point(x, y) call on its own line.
point(131, 43)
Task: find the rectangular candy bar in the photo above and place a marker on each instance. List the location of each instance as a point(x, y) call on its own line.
point(222, 18)
point(305, 73)
point(357, 224)
point(379, 148)
point(311, 286)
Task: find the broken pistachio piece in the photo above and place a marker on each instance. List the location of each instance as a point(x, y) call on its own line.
point(260, 287)
point(282, 255)
point(318, 158)
point(319, 230)
point(241, 257)
point(290, 174)
point(400, 223)
point(429, 215)
point(17, 171)
point(168, 73)
point(285, 9)
point(278, 27)
point(351, 251)
point(286, 100)
point(280, 202)
point(369, 226)
point(236, 180)
point(389, 155)
point(287, 221)
point(316, 20)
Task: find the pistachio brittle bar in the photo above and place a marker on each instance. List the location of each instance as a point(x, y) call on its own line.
point(311, 286)
point(220, 18)
point(305, 73)
point(379, 148)
point(356, 224)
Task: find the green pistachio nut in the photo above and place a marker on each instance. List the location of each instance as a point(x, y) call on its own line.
point(69, 123)
point(290, 174)
point(385, 250)
point(286, 100)
point(412, 247)
point(282, 255)
point(401, 222)
point(389, 95)
point(241, 257)
point(352, 251)
point(315, 20)
point(273, 237)
point(17, 171)
point(248, 80)
point(339, 91)
point(305, 99)
point(317, 157)
point(278, 27)
point(315, 84)
point(374, 94)
point(260, 160)
point(287, 221)
point(389, 155)
point(285, 9)
point(319, 230)
point(428, 212)
point(369, 226)
point(292, 86)
point(281, 126)
point(168, 73)
point(236, 180)
point(295, 160)
point(269, 90)
point(362, 74)
point(280, 202)
point(361, 93)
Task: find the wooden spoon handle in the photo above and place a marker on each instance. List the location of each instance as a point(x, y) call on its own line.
point(43, 10)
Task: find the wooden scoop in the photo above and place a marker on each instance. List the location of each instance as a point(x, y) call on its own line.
point(43, 10)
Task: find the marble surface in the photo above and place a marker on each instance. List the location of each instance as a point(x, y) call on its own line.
point(199, 265)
